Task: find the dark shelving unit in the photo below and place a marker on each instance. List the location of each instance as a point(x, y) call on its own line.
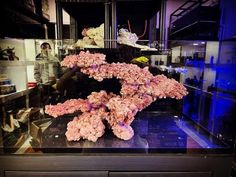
point(195, 20)
point(21, 21)
point(112, 13)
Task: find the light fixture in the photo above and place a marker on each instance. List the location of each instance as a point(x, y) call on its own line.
point(195, 43)
point(202, 42)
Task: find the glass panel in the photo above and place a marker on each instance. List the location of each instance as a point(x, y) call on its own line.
point(209, 104)
point(154, 133)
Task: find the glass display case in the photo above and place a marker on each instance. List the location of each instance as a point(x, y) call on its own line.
point(155, 132)
point(205, 86)
point(165, 135)
point(76, 127)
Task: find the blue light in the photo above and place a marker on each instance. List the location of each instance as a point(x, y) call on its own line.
point(215, 109)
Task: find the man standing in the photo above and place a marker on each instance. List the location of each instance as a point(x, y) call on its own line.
point(46, 70)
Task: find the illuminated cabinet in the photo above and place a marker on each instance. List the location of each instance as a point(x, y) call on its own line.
point(211, 85)
point(208, 55)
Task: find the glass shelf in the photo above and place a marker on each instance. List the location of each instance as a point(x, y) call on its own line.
point(154, 133)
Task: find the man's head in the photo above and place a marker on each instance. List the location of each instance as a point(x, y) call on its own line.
point(45, 48)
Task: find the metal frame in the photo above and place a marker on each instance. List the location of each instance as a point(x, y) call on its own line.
point(217, 165)
point(163, 36)
point(114, 25)
point(59, 20)
point(182, 10)
point(107, 25)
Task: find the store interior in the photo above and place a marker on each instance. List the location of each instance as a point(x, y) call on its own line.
point(191, 41)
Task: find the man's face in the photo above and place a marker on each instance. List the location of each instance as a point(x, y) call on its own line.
point(46, 49)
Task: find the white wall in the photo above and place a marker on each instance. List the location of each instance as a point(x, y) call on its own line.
point(192, 71)
point(190, 49)
point(18, 44)
point(30, 73)
point(17, 75)
point(26, 50)
point(30, 50)
point(155, 58)
point(209, 77)
point(175, 54)
point(212, 51)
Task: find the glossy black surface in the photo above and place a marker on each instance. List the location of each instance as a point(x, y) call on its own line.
point(154, 133)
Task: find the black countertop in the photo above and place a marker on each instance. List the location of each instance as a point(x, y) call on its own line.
point(154, 133)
